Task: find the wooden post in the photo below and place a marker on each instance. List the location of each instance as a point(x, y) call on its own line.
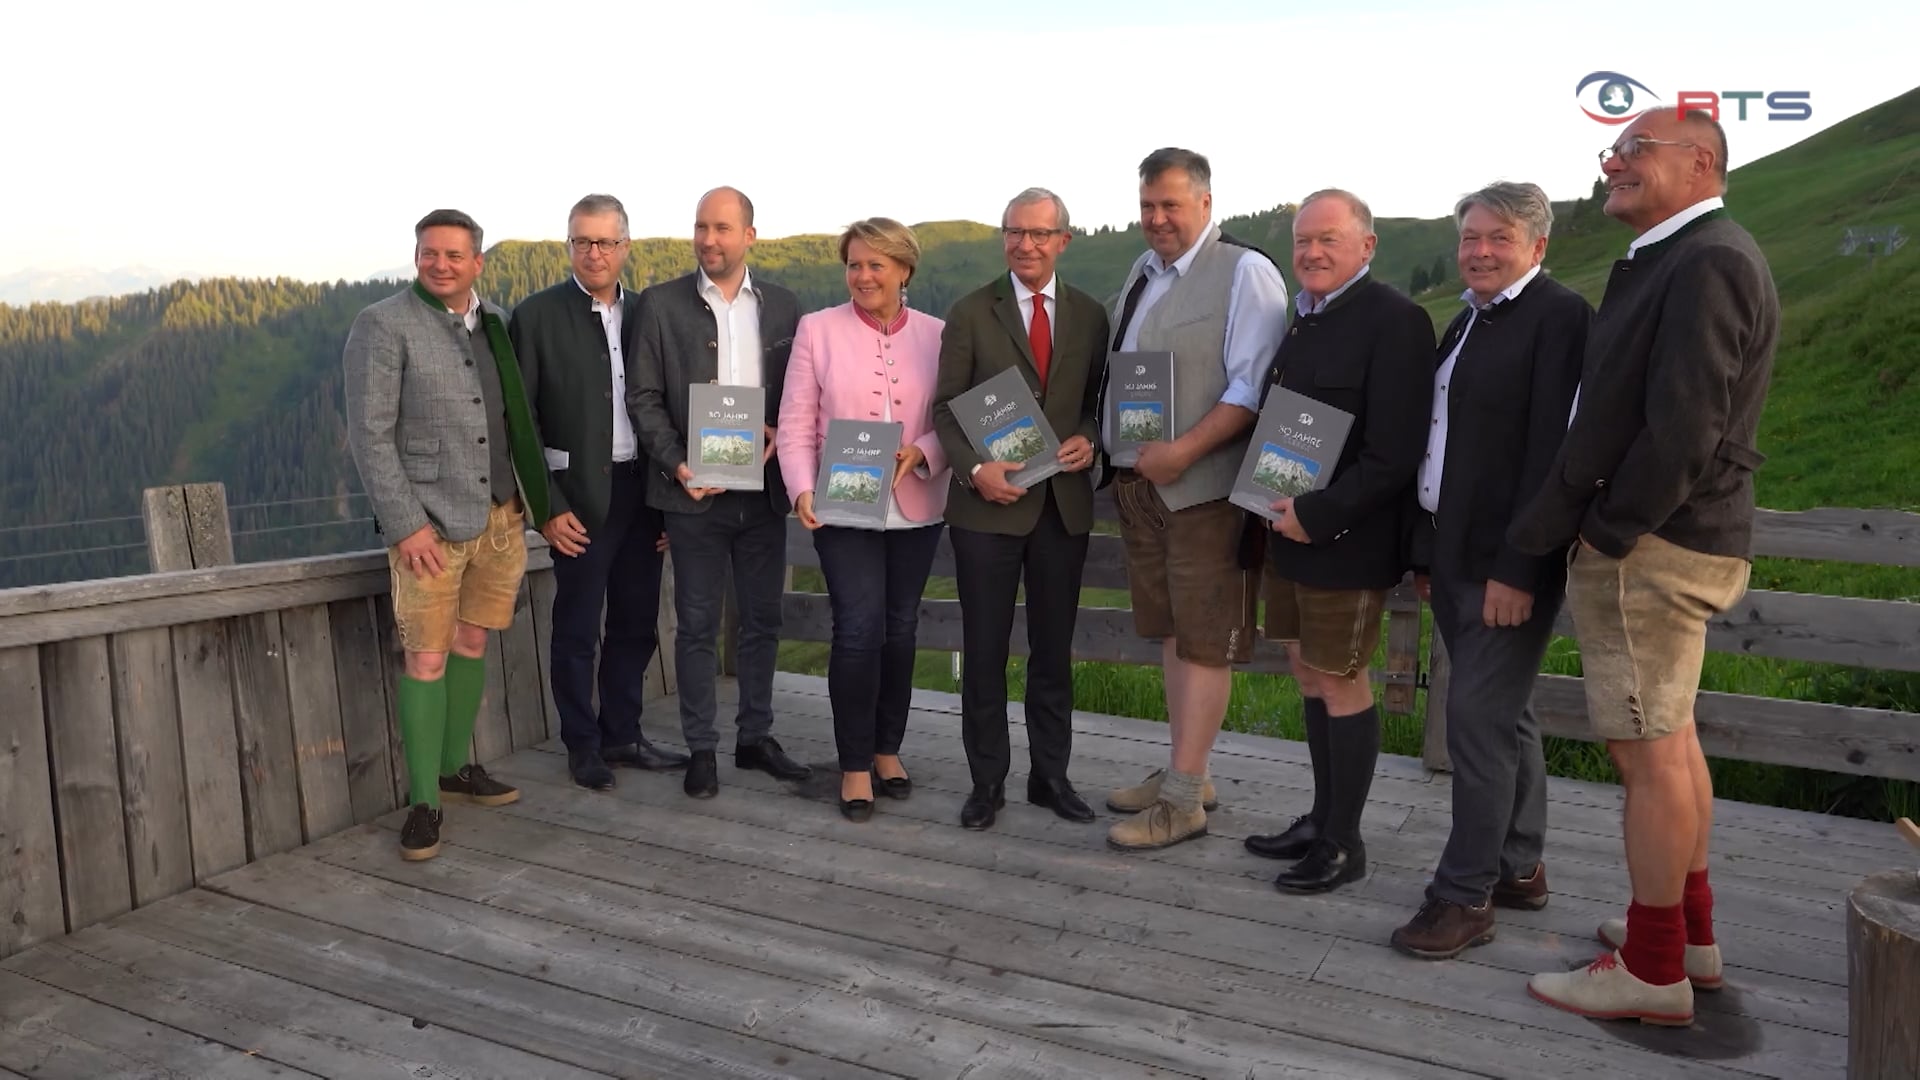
point(1433, 744)
point(187, 527)
point(1883, 977)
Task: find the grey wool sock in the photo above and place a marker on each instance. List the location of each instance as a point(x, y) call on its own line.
point(1182, 790)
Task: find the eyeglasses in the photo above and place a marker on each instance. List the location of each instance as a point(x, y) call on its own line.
point(582, 245)
point(1038, 236)
point(1634, 147)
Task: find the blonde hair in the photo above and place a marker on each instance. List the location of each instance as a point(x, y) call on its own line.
point(886, 236)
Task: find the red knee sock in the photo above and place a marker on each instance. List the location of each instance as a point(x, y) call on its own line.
point(1654, 951)
point(1698, 902)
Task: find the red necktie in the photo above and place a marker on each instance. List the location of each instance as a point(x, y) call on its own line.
point(1040, 337)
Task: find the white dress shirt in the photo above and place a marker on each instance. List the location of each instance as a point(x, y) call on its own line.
point(1025, 296)
point(737, 331)
point(625, 446)
point(1256, 317)
point(1434, 465)
point(1673, 224)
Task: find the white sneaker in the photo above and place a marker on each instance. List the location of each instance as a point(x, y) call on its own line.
point(1702, 961)
point(1606, 990)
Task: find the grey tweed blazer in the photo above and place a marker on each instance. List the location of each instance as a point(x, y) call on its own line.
point(415, 419)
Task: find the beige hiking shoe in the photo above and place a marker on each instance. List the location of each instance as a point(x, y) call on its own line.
point(1702, 961)
point(1132, 800)
point(1606, 990)
point(1159, 825)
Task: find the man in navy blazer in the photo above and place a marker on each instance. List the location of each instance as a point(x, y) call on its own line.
point(722, 324)
point(575, 345)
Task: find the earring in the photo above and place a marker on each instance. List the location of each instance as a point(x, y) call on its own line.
point(903, 296)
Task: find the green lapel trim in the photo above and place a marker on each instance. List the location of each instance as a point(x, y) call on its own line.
point(432, 301)
point(528, 464)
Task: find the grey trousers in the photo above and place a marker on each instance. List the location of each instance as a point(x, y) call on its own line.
point(1499, 772)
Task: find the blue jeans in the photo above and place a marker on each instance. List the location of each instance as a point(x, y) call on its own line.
point(874, 582)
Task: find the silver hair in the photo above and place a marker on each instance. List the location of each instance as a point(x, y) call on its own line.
point(1036, 195)
point(1524, 205)
point(1359, 206)
point(599, 204)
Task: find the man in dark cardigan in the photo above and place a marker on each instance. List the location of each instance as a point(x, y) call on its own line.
point(1504, 379)
point(1360, 346)
point(1652, 494)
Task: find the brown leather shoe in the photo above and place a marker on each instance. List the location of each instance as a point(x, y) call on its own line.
point(1442, 930)
point(1523, 894)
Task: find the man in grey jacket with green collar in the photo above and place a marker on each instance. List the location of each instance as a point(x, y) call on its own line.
point(438, 422)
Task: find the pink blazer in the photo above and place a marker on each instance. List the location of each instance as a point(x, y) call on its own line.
point(840, 370)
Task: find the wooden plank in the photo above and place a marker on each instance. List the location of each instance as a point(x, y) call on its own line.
point(394, 661)
point(163, 510)
point(50, 1032)
point(1808, 734)
point(1883, 958)
point(1823, 629)
point(268, 775)
point(1886, 537)
point(153, 779)
point(540, 589)
point(31, 907)
point(520, 669)
point(492, 730)
point(210, 748)
point(319, 741)
point(1403, 657)
point(208, 533)
point(360, 679)
point(266, 1015)
point(86, 780)
point(588, 1030)
point(835, 948)
point(940, 905)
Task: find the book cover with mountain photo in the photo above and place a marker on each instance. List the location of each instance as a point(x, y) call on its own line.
point(726, 436)
point(1003, 421)
point(854, 487)
point(1296, 444)
point(1139, 404)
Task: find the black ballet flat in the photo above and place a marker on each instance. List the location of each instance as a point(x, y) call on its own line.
point(896, 787)
point(856, 810)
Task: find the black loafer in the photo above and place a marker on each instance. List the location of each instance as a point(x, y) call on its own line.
point(977, 812)
point(1058, 796)
point(1327, 867)
point(1294, 843)
point(589, 770)
point(896, 787)
point(644, 755)
point(767, 756)
point(856, 809)
point(703, 775)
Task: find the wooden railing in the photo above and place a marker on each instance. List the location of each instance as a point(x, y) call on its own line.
point(158, 730)
point(1870, 634)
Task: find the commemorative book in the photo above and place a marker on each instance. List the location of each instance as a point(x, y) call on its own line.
point(1139, 403)
point(1296, 445)
point(726, 436)
point(854, 487)
point(1004, 423)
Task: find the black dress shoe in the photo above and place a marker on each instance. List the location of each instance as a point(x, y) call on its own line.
point(1327, 867)
point(1291, 844)
point(767, 756)
point(589, 770)
point(644, 755)
point(896, 787)
point(1058, 795)
point(703, 775)
point(977, 811)
point(856, 809)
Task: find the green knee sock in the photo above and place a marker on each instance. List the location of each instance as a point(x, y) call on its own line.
point(423, 726)
point(466, 683)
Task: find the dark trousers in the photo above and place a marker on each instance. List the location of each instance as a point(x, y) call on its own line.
point(618, 574)
point(1499, 772)
point(989, 568)
point(874, 582)
point(738, 537)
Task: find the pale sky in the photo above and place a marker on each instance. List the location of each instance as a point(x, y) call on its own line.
point(305, 139)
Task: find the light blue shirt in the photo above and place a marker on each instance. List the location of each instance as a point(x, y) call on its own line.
point(1306, 305)
point(1256, 317)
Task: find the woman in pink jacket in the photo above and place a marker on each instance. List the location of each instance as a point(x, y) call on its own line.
point(872, 359)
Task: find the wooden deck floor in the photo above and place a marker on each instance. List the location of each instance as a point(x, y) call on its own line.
point(639, 933)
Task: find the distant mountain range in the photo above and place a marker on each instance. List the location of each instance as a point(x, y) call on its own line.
point(68, 284)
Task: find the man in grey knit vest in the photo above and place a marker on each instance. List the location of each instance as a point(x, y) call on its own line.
point(1220, 308)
